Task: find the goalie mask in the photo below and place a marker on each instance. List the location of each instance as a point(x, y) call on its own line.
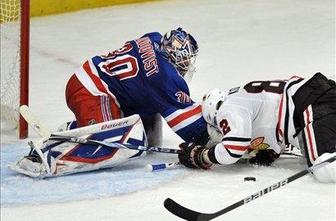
point(181, 50)
point(210, 104)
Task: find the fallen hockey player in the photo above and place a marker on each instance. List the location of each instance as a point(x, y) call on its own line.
point(263, 117)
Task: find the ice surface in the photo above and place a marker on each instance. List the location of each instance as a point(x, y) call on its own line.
point(18, 190)
point(239, 41)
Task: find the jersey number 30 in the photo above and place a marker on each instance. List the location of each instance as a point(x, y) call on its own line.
point(120, 64)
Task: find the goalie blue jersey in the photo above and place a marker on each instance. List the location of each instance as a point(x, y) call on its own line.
point(142, 81)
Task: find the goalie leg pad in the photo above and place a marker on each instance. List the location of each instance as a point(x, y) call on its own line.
point(61, 158)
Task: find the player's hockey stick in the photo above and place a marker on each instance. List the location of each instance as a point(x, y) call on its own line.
point(192, 215)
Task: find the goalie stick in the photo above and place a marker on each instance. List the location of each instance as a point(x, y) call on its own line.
point(80, 140)
point(192, 215)
point(45, 133)
point(62, 136)
point(162, 166)
point(174, 165)
point(34, 122)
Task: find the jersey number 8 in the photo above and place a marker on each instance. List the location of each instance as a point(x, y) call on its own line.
point(267, 86)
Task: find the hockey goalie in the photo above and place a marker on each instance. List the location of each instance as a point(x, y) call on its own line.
point(59, 157)
point(147, 76)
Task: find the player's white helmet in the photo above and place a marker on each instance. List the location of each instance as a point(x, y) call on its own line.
point(210, 105)
point(181, 50)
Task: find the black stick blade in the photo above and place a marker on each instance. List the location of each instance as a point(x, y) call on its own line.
point(180, 211)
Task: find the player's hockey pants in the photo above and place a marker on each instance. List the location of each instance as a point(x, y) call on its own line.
point(315, 116)
point(89, 109)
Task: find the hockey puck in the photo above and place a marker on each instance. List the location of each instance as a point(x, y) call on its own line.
point(250, 178)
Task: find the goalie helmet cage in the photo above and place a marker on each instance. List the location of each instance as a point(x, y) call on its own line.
point(15, 22)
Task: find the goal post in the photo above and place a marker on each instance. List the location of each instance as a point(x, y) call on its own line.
point(15, 22)
point(24, 64)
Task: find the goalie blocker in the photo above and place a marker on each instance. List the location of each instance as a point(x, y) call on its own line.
point(56, 158)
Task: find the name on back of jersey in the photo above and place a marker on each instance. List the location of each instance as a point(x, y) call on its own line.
point(148, 56)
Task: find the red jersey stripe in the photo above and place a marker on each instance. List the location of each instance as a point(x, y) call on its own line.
point(280, 116)
point(236, 147)
point(178, 119)
point(310, 137)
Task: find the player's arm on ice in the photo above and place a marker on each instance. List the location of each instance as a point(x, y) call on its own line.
point(235, 126)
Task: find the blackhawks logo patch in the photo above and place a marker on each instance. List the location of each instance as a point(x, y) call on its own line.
point(258, 144)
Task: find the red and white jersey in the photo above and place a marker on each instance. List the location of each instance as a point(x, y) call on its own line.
point(248, 120)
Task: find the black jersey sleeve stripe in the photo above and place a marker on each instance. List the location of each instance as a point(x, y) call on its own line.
point(241, 139)
point(212, 155)
point(233, 154)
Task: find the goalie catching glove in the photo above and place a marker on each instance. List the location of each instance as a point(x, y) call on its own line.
point(194, 156)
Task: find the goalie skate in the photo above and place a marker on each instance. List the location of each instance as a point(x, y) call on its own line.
point(32, 165)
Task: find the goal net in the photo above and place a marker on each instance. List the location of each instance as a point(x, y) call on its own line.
point(14, 64)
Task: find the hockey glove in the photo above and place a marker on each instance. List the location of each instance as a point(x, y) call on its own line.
point(264, 157)
point(192, 156)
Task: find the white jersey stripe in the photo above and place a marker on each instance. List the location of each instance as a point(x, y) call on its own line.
point(310, 135)
point(85, 79)
point(108, 107)
point(95, 72)
point(102, 107)
point(105, 107)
